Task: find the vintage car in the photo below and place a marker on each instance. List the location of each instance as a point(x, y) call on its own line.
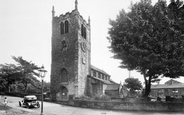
point(29, 101)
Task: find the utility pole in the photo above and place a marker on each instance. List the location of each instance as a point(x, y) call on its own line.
point(129, 74)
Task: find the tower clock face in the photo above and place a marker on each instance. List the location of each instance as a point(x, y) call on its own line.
point(83, 46)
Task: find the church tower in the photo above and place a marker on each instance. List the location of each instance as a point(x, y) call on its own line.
point(71, 53)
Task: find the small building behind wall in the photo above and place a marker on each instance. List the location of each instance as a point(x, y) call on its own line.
point(116, 91)
point(171, 88)
point(99, 83)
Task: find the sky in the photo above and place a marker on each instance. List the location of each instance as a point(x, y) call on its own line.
point(25, 30)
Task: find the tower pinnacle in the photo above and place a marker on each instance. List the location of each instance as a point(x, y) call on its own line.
point(76, 3)
point(89, 20)
point(53, 12)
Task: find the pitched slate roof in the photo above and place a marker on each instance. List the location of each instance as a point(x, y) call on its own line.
point(104, 81)
point(97, 69)
point(112, 87)
point(165, 86)
point(112, 81)
point(171, 81)
point(168, 85)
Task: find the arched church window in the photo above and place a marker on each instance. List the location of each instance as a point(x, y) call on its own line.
point(62, 28)
point(82, 30)
point(66, 26)
point(64, 75)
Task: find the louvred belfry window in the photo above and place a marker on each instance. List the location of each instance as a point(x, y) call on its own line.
point(83, 31)
point(62, 28)
point(66, 27)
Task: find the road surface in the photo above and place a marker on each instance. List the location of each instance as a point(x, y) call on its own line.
point(57, 109)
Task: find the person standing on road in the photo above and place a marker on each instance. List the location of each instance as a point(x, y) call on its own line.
point(5, 101)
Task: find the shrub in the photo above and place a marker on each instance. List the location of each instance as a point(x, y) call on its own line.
point(83, 97)
point(102, 97)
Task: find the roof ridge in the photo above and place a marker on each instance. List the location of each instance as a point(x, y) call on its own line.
point(94, 67)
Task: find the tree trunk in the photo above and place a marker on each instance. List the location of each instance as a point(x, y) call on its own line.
point(25, 87)
point(9, 88)
point(145, 80)
point(147, 85)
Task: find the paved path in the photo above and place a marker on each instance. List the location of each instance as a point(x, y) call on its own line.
point(57, 109)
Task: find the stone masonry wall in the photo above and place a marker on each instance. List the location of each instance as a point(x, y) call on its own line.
point(83, 58)
point(71, 58)
point(132, 106)
point(64, 58)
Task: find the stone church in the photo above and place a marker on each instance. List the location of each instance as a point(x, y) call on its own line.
point(72, 74)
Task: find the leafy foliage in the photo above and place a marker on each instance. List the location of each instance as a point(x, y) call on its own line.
point(149, 39)
point(10, 73)
point(20, 76)
point(133, 84)
point(102, 97)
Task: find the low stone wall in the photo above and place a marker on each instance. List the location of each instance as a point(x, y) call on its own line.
point(114, 105)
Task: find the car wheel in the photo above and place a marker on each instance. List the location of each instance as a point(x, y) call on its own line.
point(38, 105)
point(27, 106)
point(19, 103)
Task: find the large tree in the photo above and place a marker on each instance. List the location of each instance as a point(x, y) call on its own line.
point(28, 72)
point(9, 74)
point(149, 39)
point(20, 74)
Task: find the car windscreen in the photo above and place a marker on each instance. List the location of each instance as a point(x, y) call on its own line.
point(30, 100)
